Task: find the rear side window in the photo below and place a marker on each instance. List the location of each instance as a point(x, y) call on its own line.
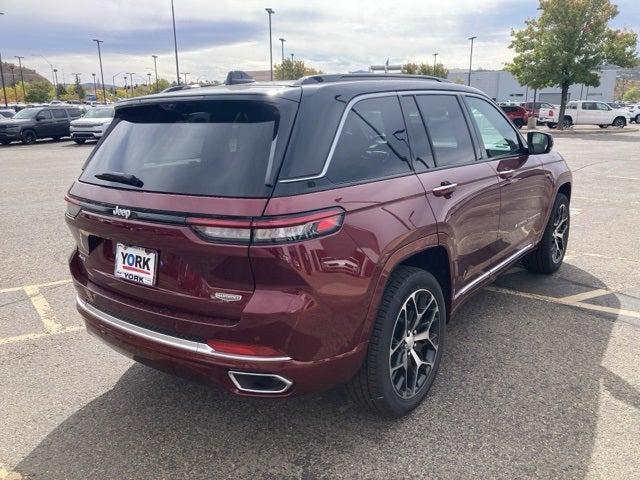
point(372, 143)
point(44, 115)
point(447, 128)
point(217, 148)
point(497, 135)
point(418, 140)
point(58, 113)
point(74, 112)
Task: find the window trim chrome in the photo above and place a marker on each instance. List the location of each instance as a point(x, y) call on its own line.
point(171, 341)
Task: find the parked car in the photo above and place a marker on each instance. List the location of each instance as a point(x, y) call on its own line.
point(278, 240)
point(7, 112)
point(634, 112)
point(30, 124)
point(541, 110)
point(583, 112)
point(518, 115)
point(93, 125)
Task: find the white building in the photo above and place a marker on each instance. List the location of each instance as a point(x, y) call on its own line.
point(503, 87)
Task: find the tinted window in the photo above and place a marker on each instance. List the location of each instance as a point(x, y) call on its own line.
point(447, 128)
point(589, 106)
point(572, 106)
point(219, 148)
point(497, 135)
point(418, 139)
point(602, 106)
point(44, 115)
point(372, 142)
point(59, 113)
point(74, 112)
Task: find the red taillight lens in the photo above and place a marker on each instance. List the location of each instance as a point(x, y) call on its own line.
point(270, 229)
point(303, 227)
point(73, 207)
point(235, 348)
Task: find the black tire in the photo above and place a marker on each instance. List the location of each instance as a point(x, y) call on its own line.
point(619, 122)
point(552, 125)
point(545, 258)
point(29, 137)
point(567, 123)
point(638, 118)
point(603, 126)
point(373, 387)
point(79, 141)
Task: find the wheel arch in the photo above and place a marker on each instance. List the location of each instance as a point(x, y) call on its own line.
point(619, 117)
point(565, 189)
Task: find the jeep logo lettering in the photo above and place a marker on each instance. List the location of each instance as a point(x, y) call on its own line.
point(122, 212)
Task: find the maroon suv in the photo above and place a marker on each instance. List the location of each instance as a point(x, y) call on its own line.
point(278, 239)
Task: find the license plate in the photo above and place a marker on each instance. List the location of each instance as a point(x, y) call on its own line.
point(136, 264)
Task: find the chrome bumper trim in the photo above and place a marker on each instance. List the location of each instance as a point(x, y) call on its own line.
point(175, 342)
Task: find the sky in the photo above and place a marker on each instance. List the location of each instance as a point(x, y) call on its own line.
point(216, 36)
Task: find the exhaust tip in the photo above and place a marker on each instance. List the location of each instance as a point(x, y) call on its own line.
point(266, 383)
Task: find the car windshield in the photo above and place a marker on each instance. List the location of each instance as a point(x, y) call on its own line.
point(222, 148)
point(27, 113)
point(100, 113)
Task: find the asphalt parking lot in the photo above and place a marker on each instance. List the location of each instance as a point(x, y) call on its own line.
point(540, 379)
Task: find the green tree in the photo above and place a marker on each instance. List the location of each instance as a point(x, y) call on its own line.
point(427, 69)
point(567, 43)
point(38, 92)
point(293, 70)
point(632, 95)
point(79, 89)
point(410, 68)
point(61, 90)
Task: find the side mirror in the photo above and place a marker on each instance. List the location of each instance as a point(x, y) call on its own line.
point(539, 142)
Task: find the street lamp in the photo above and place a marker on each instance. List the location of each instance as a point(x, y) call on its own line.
point(470, 59)
point(126, 88)
point(104, 93)
point(282, 40)
point(113, 82)
point(24, 93)
point(292, 58)
point(435, 56)
point(13, 81)
point(155, 67)
point(175, 41)
point(4, 90)
point(55, 78)
point(149, 82)
point(95, 88)
point(270, 11)
point(185, 76)
point(48, 62)
point(131, 74)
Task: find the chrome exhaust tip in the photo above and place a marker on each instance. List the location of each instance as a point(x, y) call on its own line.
point(266, 383)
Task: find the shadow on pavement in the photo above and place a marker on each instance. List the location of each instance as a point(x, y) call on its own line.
point(517, 396)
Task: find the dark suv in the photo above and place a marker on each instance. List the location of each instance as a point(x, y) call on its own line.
point(282, 239)
point(30, 124)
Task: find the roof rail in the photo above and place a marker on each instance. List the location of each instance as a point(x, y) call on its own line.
point(341, 77)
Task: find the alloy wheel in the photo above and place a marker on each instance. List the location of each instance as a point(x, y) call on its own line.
point(618, 122)
point(414, 343)
point(559, 235)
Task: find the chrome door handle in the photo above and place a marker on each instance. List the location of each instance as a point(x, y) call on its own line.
point(506, 173)
point(445, 189)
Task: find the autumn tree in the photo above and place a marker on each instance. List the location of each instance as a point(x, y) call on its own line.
point(567, 43)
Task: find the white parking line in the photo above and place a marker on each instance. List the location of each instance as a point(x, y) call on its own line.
point(35, 336)
point(624, 178)
point(579, 297)
point(45, 312)
point(37, 285)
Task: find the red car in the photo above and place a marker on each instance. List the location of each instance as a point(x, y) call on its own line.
point(283, 239)
point(518, 115)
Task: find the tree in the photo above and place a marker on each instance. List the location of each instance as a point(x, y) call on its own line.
point(293, 70)
point(410, 68)
point(38, 92)
point(567, 43)
point(79, 89)
point(632, 95)
point(61, 91)
point(425, 69)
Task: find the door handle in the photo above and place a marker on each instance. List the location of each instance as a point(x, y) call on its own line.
point(506, 173)
point(445, 188)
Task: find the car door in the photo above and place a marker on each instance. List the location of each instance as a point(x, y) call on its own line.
point(523, 191)
point(587, 114)
point(462, 192)
point(44, 125)
point(61, 121)
point(604, 113)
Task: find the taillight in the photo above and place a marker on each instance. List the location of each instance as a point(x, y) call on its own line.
point(235, 348)
point(73, 207)
point(551, 113)
point(268, 230)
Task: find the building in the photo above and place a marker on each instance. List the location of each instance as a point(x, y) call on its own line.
point(502, 86)
point(260, 75)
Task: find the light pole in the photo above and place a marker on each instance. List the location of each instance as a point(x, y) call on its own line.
point(175, 41)
point(270, 11)
point(48, 62)
point(21, 75)
point(4, 90)
point(131, 74)
point(435, 56)
point(104, 93)
point(185, 76)
point(13, 80)
point(292, 58)
point(95, 88)
point(470, 59)
point(282, 40)
point(55, 79)
point(155, 67)
point(126, 88)
point(149, 82)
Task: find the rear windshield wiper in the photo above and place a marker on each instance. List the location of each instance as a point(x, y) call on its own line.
point(120, 178)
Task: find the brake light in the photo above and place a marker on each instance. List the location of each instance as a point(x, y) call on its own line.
point(235, 348)
point(73, 207)
point(270, 229)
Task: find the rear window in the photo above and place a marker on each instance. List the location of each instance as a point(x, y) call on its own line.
point(217, 148)
point(59, 113)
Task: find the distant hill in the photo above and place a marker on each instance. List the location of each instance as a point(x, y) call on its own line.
point(29, 74)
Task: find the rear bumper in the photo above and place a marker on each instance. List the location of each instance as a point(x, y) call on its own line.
point(198, 361)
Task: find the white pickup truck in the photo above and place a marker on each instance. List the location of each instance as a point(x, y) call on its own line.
point(588, 112)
